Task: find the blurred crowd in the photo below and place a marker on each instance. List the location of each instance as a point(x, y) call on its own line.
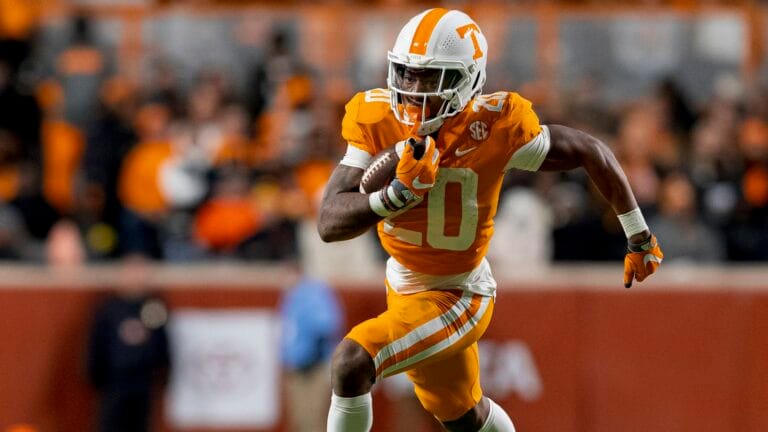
point(95, 166)
point(700, 173)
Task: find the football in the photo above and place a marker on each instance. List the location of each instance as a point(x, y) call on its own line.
point(381, 171)
point(383, 166)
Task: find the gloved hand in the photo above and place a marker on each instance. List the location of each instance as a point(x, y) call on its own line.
point(415, 173)
point(642, 260)
point(417, 168)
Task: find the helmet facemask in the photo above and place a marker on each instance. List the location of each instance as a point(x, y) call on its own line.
point(424, 95)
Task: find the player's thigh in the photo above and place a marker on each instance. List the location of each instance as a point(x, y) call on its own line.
point(450, 387)
point(422, 328)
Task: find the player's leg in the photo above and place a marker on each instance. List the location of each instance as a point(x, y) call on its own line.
point(486, 416)
point(353, 367)
point(352, 372)
point(450, 390)
point(472, 420)
point(416, 329)
point(352, 375)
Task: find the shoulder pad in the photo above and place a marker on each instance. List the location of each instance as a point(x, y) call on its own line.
point(370, 106)
point(511, 116)
point(493, 104)
point(517, 103)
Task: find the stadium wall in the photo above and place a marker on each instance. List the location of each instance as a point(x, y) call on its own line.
point(572, 351)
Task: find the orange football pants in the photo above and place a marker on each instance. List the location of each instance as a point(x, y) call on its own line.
point(432, 336)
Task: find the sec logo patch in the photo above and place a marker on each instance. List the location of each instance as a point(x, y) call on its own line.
point(478, 130)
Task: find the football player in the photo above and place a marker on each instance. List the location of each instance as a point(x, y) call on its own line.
point(435, 218)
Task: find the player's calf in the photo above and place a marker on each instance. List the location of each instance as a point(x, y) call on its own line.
point(353, 375)
point(472, 420)
point(352, 369)
point(486, 416)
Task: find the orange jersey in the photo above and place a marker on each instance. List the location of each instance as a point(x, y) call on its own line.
point(449, 232)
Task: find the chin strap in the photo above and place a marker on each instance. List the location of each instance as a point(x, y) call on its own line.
point(429, 127)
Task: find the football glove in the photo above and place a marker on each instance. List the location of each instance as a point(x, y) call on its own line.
point(642, 260)
point(417, 168)
point(414, 176)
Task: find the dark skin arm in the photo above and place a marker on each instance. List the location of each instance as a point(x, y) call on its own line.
point(571, 148)
point(345, 212)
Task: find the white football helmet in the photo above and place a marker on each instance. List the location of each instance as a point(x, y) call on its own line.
point(438, 53)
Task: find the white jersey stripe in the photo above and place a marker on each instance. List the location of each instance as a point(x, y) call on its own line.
point(443, 344)
point(424, 331)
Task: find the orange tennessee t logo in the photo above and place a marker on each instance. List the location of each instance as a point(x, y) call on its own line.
point(471, 28)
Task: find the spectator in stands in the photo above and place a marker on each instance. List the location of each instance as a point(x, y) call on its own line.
point(279, 206)
point(639, 128)
point(312, 323)
point(691, 239)
point(81, 68)
point(63, 145)
point(108, 143)
point(15, 242)
point(143, 189)
point(360, 255)
point(196, 143)
point(20, 153)
point(677, 110)
point(64, 245)
point(524, 217)
point(234, 148)
point(230, 217)
point(748, 230)
point(163, 85)
point(205, 129)
point(128, 352)
point(275, 66)
point(285, 132)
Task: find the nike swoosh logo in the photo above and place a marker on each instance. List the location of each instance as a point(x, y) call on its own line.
point(460, 152)
point(419, 185)
point(651, 257)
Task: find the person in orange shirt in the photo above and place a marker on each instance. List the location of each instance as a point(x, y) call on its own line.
point(63, 145)
point(435, 218)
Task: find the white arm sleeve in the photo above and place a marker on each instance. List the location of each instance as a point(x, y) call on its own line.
point(530, 156)
point(356, 158)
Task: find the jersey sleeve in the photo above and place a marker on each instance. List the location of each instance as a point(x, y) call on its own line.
point(359, 151)
point(363, 111)
point(530, 156)
point(351, 129)
point(527, 140)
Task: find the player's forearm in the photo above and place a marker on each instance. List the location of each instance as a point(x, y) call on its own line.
point(571, 148)
point(609, 178)
point(345, 215)
point(606, 173)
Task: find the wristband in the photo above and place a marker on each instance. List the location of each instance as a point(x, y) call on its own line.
point(633, 222)
point(643, 246)
point(391, 199)
point(377, 204)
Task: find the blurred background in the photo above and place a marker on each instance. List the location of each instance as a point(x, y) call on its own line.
point(161, 164)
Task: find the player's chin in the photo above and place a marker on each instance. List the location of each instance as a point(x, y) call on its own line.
point(413, 102)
